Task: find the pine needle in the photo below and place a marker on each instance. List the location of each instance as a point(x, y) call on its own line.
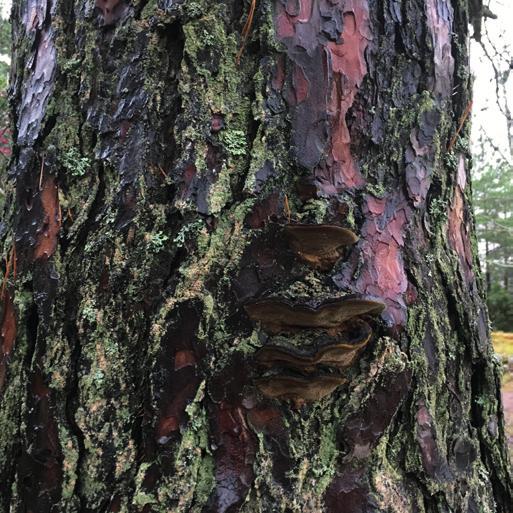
point(463, 118)
point(246, 30)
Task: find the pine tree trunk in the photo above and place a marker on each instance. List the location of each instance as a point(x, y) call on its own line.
point(161, 158)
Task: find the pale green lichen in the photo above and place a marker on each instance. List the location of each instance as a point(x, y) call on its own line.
point(74, 162)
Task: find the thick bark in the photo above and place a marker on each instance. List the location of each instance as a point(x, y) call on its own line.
point(154, 178)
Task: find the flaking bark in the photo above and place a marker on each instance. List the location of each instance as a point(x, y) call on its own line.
point(154, 176)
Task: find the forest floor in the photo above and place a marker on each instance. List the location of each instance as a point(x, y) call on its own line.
point(503, 344)
point(507, 401)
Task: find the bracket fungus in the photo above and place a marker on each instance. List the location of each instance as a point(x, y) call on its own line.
point(299, 390)
point(304, 376)
point(319, 245)
point(341, 352)
point(277, 314)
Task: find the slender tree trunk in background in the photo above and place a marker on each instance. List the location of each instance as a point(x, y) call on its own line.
point(488, 274)
point(154, 176)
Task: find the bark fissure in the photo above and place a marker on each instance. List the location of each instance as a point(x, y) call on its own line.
point(72, 399)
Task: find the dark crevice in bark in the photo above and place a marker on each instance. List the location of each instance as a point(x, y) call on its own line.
point(32, 327)
point(460, 96)
point(93, 218)
point(398, 40)
point(48, 126)
point(72, 401)
point(453, 313)
point(140, 8)
point(477, 381)
point(174, 37)
point(381, 29)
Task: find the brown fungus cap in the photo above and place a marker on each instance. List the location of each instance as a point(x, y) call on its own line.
point(341, 353)
point(281, 315)
point(300, 390)
point(319, 245)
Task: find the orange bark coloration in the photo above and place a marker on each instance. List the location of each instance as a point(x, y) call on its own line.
point(47, 236)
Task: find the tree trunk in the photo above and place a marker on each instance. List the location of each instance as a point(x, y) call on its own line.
point(488, 273)
point(163, 155)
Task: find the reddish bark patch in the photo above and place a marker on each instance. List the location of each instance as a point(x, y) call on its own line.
point(39, 468)
point(8, 330)
point(425, 439)
point(459, 233)
point(301, 84)
point(7, 335)
point(111, 10)
point(124, 127)
point(186, 181)
point(177, 374)
point(432, 461)
point(284, 25)
point(348, 56)
point(235, 442)
point(376, 206)
point(328, 66)
point(411, 294)
point(305, 10)
point(5, 142)
point(381, 246)
point(349, 67)
point(266, 420)
point(46, 242)
point(278, 78)
point(216, 123)
point(184, 358)
point(349, 492)
point(234, 457)
point(264, 211)
point(194, 186)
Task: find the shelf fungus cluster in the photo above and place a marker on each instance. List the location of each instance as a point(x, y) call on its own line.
point(334, 327)
point(319, 245)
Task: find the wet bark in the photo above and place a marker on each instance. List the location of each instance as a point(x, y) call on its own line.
point(153, 179)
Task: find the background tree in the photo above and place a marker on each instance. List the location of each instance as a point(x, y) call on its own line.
point(5, 131)
point(493, 191)
point(493, 194)
point(493, 168)
point(162, 151)
point(493, 152)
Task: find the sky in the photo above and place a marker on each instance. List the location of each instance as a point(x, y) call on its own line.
point(486, 116)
